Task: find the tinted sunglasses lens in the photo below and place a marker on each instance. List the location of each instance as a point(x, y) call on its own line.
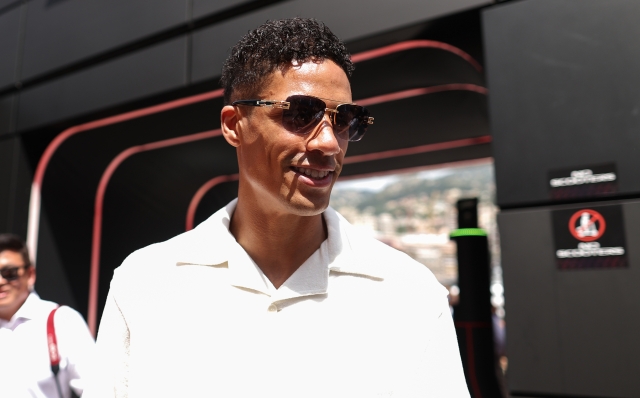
point(304, 112)
point(9, 273)
point(351, 122)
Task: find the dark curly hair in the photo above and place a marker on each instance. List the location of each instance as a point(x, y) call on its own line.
point(15, 244)
point(274, 45)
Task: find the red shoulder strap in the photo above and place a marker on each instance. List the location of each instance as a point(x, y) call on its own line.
point(52, 343)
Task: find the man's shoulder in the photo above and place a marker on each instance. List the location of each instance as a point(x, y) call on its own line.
point(151, 255)
point(38, 308)
point(386, 262)
point(201, 245)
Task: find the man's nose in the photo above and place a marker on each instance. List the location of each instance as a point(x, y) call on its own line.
point(324, 138)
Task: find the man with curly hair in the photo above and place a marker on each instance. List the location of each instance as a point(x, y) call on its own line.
point(276, 294)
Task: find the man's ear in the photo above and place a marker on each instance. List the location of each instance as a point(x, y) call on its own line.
point(31, 281)
point(229, 125)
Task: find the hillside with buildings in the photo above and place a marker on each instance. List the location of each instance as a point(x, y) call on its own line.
point(416, 212)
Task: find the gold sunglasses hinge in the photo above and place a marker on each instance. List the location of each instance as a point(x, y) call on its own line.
point(274, 104)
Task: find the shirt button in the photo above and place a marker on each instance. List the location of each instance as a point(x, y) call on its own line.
point(273, 308)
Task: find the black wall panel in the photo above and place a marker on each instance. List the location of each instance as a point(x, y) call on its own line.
point(149, 71)
point(9, 45)
point(564, 92)
point(7, 3)
point(572, 333)
point(15, 183)
point(7, 114)
point(446, 116)
point(52, 281)
point(201, 8)
point(348, 20)
point(530, 296)
point(20, 188)
point(71, 182)
point(63, 32)
point(6, 172)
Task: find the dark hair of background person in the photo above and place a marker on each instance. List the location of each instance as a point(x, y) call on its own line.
point(15, 244)
point(274, 45)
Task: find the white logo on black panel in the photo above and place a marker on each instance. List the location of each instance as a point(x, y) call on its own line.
point(587, 226)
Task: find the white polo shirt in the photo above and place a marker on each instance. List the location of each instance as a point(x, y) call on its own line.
point(195, 316)
point(25, 370)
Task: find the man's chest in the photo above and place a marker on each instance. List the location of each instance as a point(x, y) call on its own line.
point(239, 339)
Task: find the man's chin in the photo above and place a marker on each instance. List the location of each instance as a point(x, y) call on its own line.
point(306, 207)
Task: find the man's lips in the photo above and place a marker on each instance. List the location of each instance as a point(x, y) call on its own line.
point(315, 177)
point(312, 172)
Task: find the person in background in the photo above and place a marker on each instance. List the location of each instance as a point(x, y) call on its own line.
point(26, 340)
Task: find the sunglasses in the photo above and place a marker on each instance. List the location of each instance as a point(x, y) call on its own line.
point(11, 273)
point(301, 113)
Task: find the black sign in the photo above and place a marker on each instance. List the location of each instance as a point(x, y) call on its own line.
point(583, 182)
point(590, 237)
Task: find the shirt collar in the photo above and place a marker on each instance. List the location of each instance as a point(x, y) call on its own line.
point(312, 277)
point(28, 310)
point(211, 244)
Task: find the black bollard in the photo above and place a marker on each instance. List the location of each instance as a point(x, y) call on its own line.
point(472, 314)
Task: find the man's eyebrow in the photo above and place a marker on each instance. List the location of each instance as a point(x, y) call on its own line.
point(336, 101)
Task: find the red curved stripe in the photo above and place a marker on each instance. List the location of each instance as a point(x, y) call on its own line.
point(97, 213)
point(195, 201)
point(471, 361)
point(413, 44)
point(34, 205)
point(414, 92)
point(439, 146)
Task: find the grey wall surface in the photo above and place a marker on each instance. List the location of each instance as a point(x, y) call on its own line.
point(9, 45)
point(564, 92)
point(7, 114)
point(146, 72)
point(570, 332)
point(6, 165)
point(201, 8)
point(348, 20)
point(563, 95)
point(7, 3)
point(14, 185)
point(62, 32)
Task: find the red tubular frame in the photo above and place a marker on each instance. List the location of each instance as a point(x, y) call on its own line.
point(97, 214)
point(411, 45)
point(43, 163)
point(195, 201)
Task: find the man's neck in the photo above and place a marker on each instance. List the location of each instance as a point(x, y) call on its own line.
point(278, 243)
